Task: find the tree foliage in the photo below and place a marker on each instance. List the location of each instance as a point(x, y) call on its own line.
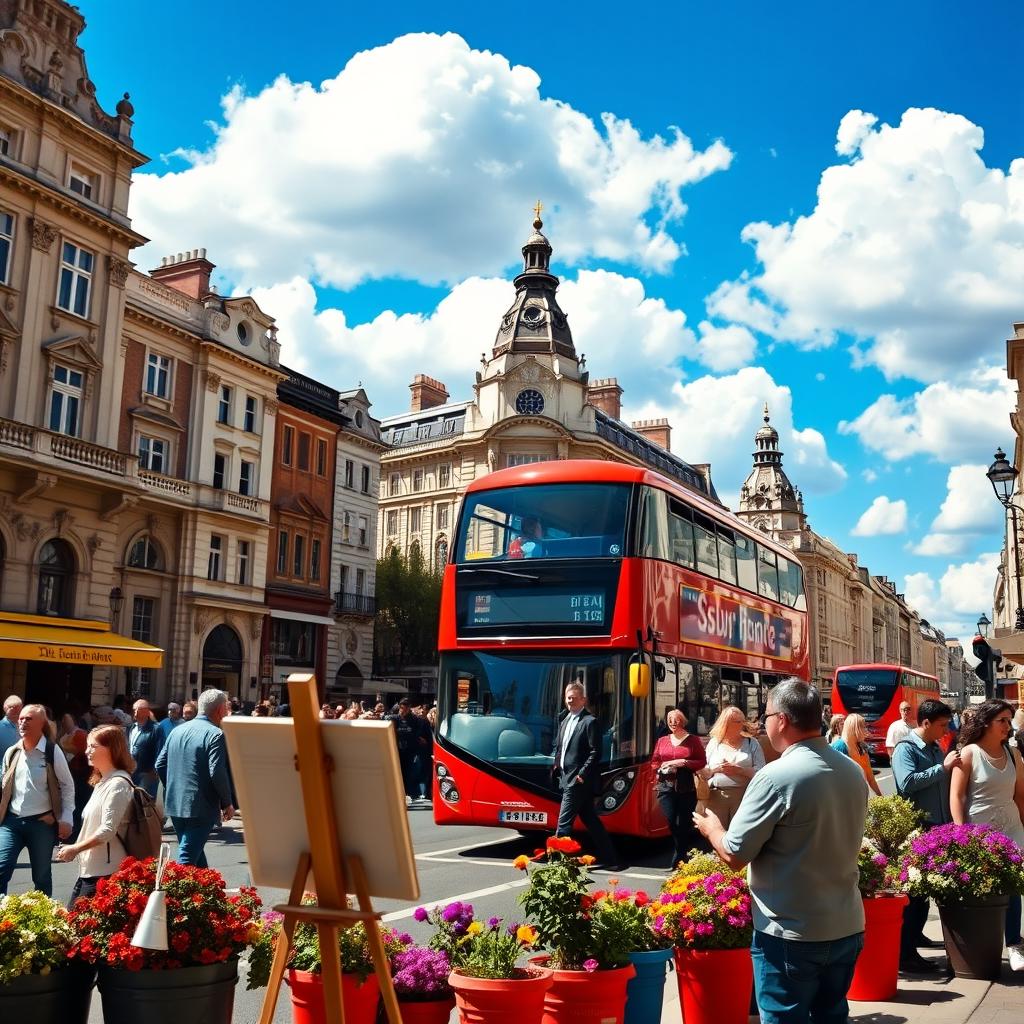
point(408, 606)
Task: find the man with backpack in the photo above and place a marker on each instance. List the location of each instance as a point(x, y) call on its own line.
point(193, 766)
point(37, 800)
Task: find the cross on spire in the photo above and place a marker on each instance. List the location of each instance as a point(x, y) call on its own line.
point(537, 223)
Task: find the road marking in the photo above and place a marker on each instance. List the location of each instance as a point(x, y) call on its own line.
point(519, 883)
point(467, 846)
point(882, 778)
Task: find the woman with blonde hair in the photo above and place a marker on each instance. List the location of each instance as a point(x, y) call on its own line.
point(835, 728)
point(732, 760)
point(851, 743)
point(99, 846)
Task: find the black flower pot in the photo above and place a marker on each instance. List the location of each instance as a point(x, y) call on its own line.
point(62, 995)
point(198, 995)
point(973, 935)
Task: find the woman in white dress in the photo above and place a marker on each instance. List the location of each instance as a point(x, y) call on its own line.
point(732, 758)
point(987, 787)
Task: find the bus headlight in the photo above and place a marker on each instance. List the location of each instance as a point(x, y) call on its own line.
point(616, 788)
point(446, 784)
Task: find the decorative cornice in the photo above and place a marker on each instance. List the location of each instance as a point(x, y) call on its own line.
point(119, 270)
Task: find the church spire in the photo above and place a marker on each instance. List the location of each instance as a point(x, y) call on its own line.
point(767, 498)
point(535, 323)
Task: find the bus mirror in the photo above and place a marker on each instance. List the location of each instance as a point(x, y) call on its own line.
point(639, 680)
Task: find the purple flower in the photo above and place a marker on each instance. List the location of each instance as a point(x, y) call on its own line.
point(590, 965)
point(420, 914)
point(494, 922)
point(451, 913)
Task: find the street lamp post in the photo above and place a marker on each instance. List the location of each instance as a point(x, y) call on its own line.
point(1003, 477)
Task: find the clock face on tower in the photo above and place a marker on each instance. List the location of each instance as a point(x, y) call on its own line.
point(529, 402)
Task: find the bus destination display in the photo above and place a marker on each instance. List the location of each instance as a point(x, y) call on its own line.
point(572, 607)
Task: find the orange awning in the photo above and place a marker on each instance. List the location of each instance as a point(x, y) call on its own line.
point(72, 642)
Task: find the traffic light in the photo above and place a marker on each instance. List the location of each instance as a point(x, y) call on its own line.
point(989, 660)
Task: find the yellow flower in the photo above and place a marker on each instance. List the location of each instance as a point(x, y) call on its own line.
point(526, 935)
point(475, 928)
point(521, 862)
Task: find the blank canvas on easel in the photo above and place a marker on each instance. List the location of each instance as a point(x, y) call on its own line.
point(368, 794)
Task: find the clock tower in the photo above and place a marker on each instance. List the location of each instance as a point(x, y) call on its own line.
point(767, 499)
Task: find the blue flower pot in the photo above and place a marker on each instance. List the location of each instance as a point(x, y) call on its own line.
point(646, 989)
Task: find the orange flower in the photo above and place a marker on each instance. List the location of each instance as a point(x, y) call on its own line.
point(586, 860)
point(521, 862)
point(526, 935)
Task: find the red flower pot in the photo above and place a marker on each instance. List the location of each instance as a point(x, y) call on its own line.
point(715, 985)
point(501, 1000)
point(432, 1011)
point(876, 976)
point(307, 993)
point(586, 997)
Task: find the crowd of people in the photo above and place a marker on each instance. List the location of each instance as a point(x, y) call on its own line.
point(69, 782)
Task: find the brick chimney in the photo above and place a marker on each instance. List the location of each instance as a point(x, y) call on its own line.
point(426, 393)
point(606, 395)
point(188, 272)
point(656, 431)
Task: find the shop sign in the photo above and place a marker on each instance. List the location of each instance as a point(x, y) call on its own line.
point(77, 655)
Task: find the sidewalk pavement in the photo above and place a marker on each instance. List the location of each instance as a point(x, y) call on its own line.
point(919, 1001)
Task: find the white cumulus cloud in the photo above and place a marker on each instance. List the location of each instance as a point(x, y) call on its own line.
point(958, 597)
point(726, 347)
point(420, 160)
point(969, 509)
point(947, 421)
point(915, 247)
point(714, 419)
point(622, 331)
point(882, 517)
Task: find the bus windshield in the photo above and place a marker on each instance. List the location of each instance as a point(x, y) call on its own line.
point(544, 521)
point(867, 691)
point(504, 708)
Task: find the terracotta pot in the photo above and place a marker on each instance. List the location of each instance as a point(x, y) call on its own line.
point(501, 1000)
point(307, 994)
point(426, 1011)
point(715, 985)
point(876, 976)
point(973, 934)
point(586, 997)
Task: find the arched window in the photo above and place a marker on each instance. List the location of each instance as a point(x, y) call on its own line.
point(441, 554)
point(144, 554)
point(56, 579)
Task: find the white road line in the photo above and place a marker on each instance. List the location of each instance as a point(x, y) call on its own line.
point(426, 859)
point(398, 915)
point(467, 846)
point(882, 778)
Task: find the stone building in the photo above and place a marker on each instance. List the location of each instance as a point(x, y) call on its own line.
point(855, 617)
point(533, 400)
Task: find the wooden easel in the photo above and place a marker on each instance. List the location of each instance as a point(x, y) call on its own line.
point(334, 875)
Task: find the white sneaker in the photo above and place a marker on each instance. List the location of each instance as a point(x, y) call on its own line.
point(408, 801)
point(1016, 956)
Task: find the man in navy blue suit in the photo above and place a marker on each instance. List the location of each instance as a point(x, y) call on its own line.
point(577, 763)
point(193, 766)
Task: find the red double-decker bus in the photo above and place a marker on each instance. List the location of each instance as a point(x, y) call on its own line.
point(575, 571)
point(876, 692)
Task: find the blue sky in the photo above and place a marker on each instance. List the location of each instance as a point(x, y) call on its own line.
point(811, 205)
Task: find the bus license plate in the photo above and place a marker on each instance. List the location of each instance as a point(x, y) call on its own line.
point(524, 817)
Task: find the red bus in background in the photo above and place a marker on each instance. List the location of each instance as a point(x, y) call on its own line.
point(571, 571)
point(876, 692)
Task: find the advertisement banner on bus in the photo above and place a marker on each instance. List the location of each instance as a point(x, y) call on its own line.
point(714, 620)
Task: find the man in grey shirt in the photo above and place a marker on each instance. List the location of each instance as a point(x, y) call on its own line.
point(800, 827)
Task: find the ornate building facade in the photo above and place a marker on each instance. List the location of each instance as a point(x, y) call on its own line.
point(855, 617)
point(533, 400)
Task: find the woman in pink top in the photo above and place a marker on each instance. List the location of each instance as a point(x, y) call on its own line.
point(676, 757)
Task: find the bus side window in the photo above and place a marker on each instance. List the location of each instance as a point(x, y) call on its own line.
point(706, 544)
point(746, 567)
point(767, 573)
point(790, 582)
point(654, 542)
point(726, 555)
point(665, 693)
point(680, 534)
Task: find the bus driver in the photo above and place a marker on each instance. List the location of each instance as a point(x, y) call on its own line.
point(528, 543)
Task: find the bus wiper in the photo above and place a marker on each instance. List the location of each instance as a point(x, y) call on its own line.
point(501, 572)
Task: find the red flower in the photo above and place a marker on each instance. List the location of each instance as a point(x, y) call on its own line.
point(586, 901)
point(641, 898)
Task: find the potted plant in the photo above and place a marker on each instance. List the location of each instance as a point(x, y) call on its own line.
point(360, 990)
point(626, 914)
point(970, 871)
point(891, 823)
point(705, 909)
point(420, 976)
point(488, 982)
point(37, 980)
point(207, 929)
point(590, 962)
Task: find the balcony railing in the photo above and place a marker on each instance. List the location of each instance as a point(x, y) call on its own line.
point(16, 434)
point(355, 604)
point(161, 482)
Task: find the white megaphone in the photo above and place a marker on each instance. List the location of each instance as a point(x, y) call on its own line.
point(151, 931)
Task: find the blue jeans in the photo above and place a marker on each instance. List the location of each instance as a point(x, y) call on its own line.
point(15, 834)
point(796, 982)
point(192, 836)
